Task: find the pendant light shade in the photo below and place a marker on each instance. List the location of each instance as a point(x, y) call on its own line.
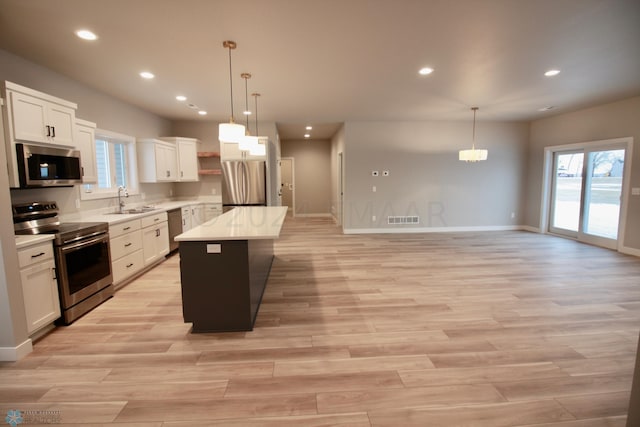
point(473, 155)
point(230, 132)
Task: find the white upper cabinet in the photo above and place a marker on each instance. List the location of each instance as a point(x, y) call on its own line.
point(85, 142)
point(187, 158)
point(37, 117)
point(157, 161)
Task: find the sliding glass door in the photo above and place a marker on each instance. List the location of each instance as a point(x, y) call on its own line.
point(602, 197)
point(586, 194)
point(566, 193)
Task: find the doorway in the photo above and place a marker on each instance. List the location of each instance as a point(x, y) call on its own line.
point(287, 186)
point(587, 196)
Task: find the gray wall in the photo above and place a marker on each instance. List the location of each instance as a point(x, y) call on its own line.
point(312, 160)
point(427, 179)
point(617, 119)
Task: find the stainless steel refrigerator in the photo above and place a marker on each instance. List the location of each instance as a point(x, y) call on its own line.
point(243, 183)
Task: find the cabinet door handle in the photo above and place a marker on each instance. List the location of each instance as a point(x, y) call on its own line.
point(126, 228)
point(38, 255)
point(126, 245)
point(158, 232)
point(55, 276)
point(168, 174)
point(82, 170)
point(181, 174)
point(130, 265)
point(53, 131)
point(48, 130)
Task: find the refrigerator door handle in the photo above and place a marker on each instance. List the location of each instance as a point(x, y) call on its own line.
point(245, 183)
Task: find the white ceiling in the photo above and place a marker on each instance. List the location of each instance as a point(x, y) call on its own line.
point(323, 62)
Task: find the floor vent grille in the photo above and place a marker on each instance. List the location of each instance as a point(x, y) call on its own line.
point(403, 220)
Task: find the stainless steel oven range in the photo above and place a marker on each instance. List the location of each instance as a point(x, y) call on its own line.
point(83, 261)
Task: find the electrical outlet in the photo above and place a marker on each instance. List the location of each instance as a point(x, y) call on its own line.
point(385, 173)
point(143, 196)
point(374, 189)
point(375, 173)
point(513, 215)
point(635, 191)
point(373, 218)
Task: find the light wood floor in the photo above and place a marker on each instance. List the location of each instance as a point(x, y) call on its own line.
point(474, 329)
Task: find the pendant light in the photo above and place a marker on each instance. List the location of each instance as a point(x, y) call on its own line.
point(247, 141)
point(230, 132)
point(473, 155)
point(259, 149)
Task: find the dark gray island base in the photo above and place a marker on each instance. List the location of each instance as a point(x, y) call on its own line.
point(225, 265)
point(221, 292)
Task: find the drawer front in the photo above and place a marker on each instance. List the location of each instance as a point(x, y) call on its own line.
point(212, 211)
point(33, 254)
point(127, 266)
point(154, 219)
point(125, 244)
point(116, 230)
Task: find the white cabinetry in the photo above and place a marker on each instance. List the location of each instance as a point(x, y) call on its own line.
point(155, 237)
point(186, 218)
point(212, 210)
point(197, 215)
point(35, 117)
point(39, 285)
point(157, 161)
point(85, 142)
point(187, 158)
point(125, 243)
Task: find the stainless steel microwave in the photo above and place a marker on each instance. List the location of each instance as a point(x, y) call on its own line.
point(48, 166)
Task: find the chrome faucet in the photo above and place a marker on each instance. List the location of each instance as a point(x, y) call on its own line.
point(121, 189)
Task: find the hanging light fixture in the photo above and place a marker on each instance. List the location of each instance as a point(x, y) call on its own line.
point(247, 141)
point(473, 155)
point(230, 132)
point(259, 149)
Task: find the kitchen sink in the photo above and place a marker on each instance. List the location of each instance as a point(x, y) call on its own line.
point(143, 209)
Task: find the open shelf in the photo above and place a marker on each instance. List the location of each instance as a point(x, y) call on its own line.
point(210, 172)
point(205, 154)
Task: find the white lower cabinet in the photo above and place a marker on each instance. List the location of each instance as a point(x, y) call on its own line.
point(125, 243)
point(155, 237)
point(39, 285)
point(197, 215)
point(186, 218)
point(212, 210)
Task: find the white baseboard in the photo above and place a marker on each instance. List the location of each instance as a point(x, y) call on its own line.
point(399, 230)
point(530, 229)
point(629, 251)
point(12, 354)
point(314, 215)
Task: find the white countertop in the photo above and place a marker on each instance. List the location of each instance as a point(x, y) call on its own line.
point(240, 223)
point(114, 218)
point(27, 240)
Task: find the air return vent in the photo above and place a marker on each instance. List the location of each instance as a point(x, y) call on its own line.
point(403, 220)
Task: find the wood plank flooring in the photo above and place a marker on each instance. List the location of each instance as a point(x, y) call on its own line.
point(456, 329)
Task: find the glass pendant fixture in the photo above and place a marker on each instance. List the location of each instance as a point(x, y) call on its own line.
point(247, 140)
point(473, 155)
point(259, 149)
point(230, 132)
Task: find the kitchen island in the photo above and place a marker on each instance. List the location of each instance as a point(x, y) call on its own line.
point(224, 267)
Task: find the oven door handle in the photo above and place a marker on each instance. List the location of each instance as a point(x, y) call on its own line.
point(82, 244)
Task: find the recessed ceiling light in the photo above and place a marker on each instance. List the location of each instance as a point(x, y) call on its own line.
point(146, 75)
point(309, 128)
point(181, 98)
point(552, 73)
point(202, 113)
point(306, 135)
point(86, 35)
point(425, 71)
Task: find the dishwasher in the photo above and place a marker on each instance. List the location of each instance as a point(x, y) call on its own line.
point(175, 227)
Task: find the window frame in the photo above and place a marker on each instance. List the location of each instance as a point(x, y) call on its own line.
point(91, 191)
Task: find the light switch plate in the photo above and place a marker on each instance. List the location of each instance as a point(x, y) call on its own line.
point(635, 191)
